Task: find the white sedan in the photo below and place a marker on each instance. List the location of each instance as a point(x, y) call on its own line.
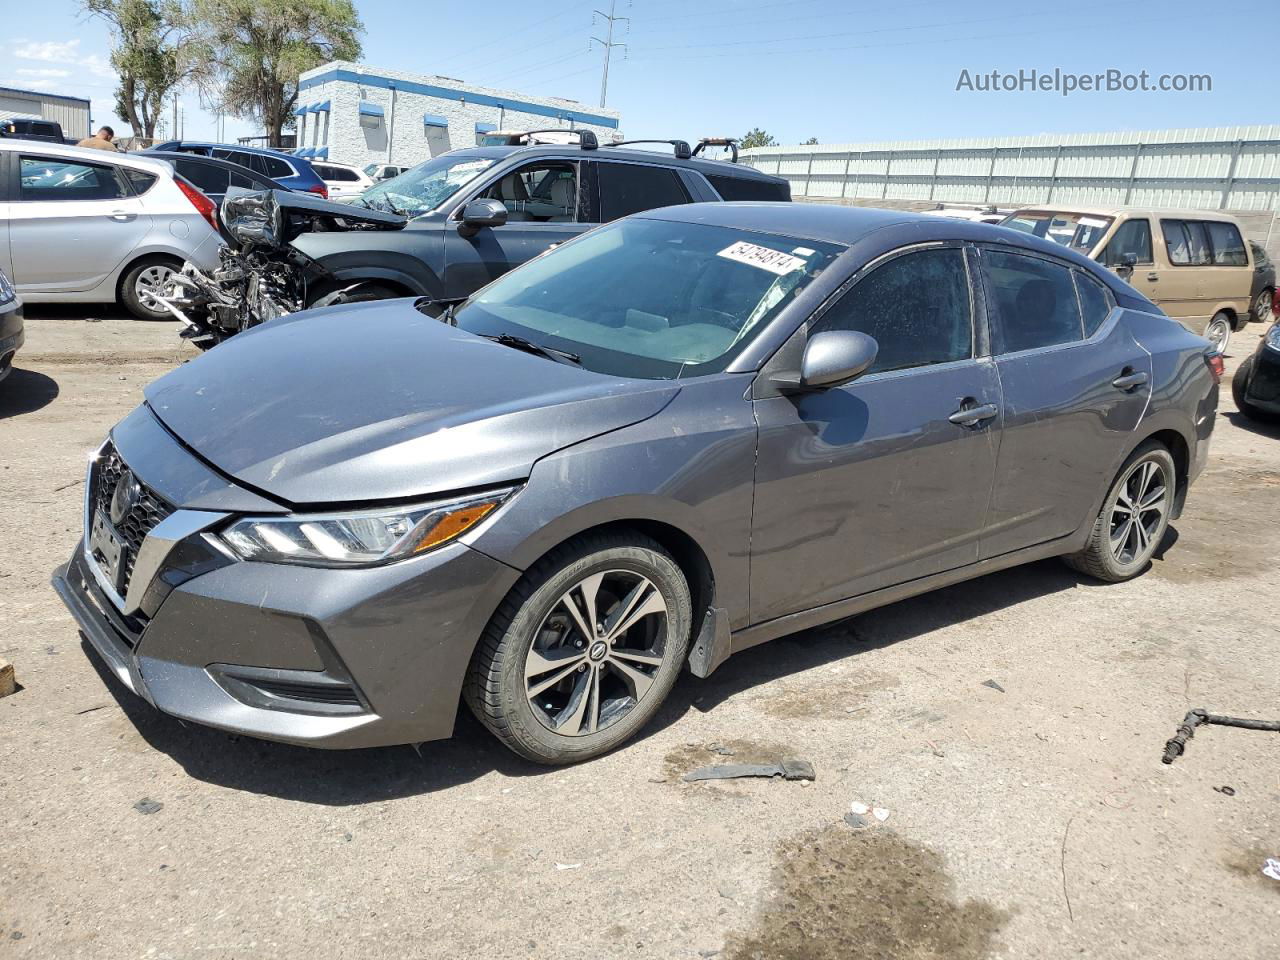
point(343, 180)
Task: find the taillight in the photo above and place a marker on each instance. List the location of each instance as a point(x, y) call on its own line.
point(1275, 304)
point(1216, 366)
point(319, 188)
point(204, 206)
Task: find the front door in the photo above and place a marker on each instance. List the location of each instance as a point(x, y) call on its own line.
point(543, 201)
point(1075, 384)
point(71, 223)
point(874, 483)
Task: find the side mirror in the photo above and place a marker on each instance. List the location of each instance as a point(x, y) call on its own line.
point(1127, 262)
point(831, 358)
point(482, 213)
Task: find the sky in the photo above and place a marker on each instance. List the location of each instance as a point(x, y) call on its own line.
point(842, 72)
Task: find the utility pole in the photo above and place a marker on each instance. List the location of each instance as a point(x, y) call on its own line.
point(608, 43)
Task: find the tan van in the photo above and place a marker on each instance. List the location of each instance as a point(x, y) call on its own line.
point(1193, 263)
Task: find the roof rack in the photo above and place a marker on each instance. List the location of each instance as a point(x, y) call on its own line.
point(680, 147)
point(730, 142)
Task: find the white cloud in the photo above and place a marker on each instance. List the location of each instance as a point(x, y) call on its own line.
point(98, 66)
point(42, 73)
point(49, 51)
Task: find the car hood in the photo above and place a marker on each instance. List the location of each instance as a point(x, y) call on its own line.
point(380, 402)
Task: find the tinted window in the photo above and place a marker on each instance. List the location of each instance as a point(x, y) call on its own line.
point(627, 188)
point(250, 182)
point(916, 306)
point(139, 180)
point(1035, 302)
point(742, 188)
point(1132, 236)
point(273, 167)
point(1187, 242)
point(52, 178)
point(544, 192)
point(1095, 302)
point(1227, 244)
point(209, 177)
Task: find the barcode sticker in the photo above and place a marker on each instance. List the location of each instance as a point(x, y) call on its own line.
point(754, 255)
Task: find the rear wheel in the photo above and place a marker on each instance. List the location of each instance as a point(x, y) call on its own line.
point(1261, 311)
point(583, 651)
point(142, 282)
point(1133, 519)
point(1218, 332)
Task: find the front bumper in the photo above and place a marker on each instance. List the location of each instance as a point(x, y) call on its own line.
point(1263, 388)
point(319, 657)
point(11, 335)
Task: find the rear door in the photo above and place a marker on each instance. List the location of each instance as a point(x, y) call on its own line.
point(546, 205)
point(72, 222)
point(871, 484)
point(1075, 385)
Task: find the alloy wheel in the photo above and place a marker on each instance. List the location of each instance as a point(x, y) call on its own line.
point(150, 284)
point(597, 652)
point(1218, 333)
point(1139, 512)
point(1262, 307)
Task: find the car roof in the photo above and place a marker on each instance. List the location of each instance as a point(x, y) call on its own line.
point(209, 161)
point(1189, 213)
point(47, 148)
point(226, 146)
point(721, 168)
point(811, 221)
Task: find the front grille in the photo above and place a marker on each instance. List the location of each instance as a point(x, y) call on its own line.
point(141, 519)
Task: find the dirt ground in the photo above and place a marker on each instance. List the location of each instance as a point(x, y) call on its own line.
point(1034, 820)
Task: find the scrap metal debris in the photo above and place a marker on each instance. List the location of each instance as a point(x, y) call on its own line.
point(1271, 868)
point(993, 685)
point(787, 770)
point(1187, 729)
point(147, 805)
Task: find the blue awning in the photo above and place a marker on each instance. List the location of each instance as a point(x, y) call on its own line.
point(321, 107)
point(300, 109)
point(434, 120)
point(304, 152)
point(368, 109)
point(320, 154)
point(486, 127)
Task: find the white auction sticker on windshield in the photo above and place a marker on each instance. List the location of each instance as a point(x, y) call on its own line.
point(775, 261)
point(1091, 222)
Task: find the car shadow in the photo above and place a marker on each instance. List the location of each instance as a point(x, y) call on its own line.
point(25, 391)
point(1263, 428)
point(353, 777)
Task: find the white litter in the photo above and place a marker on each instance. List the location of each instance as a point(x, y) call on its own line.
point(880, 813)
point(1271, 868)
point(859, 807)
point(568, 866)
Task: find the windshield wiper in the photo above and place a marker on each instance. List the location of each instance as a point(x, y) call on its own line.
point(520, 343)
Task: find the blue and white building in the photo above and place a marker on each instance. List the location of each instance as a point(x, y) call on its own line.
point(352, 113)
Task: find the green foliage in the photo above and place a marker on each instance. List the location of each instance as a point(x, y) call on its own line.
point(812, 141)
point(757, 138)
point(146, 55)
point(250, 52)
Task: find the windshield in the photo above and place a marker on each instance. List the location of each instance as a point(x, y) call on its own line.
point(650, 298)
point(426, 186)
point(1081, 232)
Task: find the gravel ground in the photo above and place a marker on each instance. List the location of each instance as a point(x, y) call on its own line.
point(1035, 820)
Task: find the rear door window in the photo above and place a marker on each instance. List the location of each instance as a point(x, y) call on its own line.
point(1095, 302)
point(627, 188)
point(916, 306)
point(59, 178)
point(1227, 244)
point(1187, 242)
point(209, 177)
point(273, 167)
point(1035, 302)
point(1132, 236)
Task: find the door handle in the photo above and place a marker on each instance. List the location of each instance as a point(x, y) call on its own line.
point(1130, 380)
point(972, 416)
point(1153, 276)
point(123, 216)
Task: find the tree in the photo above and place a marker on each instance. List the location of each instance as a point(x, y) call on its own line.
point(252, 51)
point(811, 142)
point(757, 138)
point(147, 37)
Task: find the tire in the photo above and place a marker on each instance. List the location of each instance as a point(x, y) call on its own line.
point(148, 272)
point(575, 697)
point(1149, 465)
point(1260, 309)
point(1218, 331)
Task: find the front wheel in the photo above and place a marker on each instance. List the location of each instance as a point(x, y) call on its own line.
point(1218, 332)
point(1133, 519)
point(142, 283)
point(583, 651)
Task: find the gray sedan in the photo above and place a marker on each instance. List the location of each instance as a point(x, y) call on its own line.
point(676, 437)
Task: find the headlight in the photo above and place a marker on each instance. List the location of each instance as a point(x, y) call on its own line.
point(1273, 337)
point(359, 539)
point(7, 292)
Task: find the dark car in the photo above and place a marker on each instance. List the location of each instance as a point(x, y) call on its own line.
point(1264, 284)
point(286, 169)
point(680, 435)
point(11, 331)
point(29, 128)
point(477, 212)
point(1256, 384)
point(211, 175)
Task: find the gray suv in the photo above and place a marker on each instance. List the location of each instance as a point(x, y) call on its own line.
point(676, 437)
point(477, 212)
